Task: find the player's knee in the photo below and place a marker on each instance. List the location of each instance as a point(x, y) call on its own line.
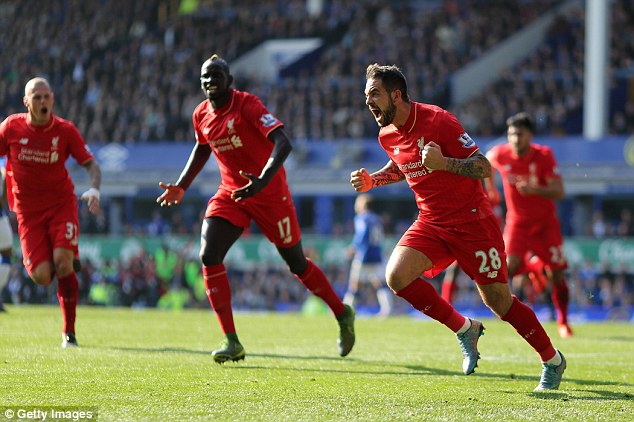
point(208, 258)
point(498, 298)
point(397, 280)
point(297, 266)
point(43, 278)
point(63, 266)
point(513, 265)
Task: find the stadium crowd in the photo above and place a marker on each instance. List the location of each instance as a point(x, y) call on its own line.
point(126, 71)
point(171, 278)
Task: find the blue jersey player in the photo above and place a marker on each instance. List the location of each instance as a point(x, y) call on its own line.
point(367, 260)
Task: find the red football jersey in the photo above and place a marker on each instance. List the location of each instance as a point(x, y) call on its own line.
point(442, 197)
point(535, 167)
point(37, 177)
point(237, 134)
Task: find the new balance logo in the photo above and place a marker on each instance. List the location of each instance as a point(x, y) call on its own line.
point(24, 141)
point(492, 274)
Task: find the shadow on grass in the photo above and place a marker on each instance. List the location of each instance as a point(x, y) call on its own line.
point(382, 367)
point(594, 395)
point(159, 350)
point(427, 370)
point(208, 353)
point(417, 371)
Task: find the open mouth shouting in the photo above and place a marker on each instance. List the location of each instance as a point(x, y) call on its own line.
point(376, 112)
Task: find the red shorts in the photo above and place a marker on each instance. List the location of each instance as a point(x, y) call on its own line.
point(274, 215)
point(542, 238)
point(477, 246)
point(41, 232)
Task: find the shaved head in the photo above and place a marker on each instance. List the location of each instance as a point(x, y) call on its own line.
point(33, 83)
point(39, 100)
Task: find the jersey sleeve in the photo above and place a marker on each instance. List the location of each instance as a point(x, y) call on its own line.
point(78, 147)
point(551, 169)
point(454, 140)
point(3, 138)
point(200, 138)
point(256, 113)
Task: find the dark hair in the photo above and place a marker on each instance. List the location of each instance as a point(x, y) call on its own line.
point(391, 76)
point(521, 119)
point(216, 59)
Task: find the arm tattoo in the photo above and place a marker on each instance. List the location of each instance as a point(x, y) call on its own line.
point(387, 175)
point(476, 167)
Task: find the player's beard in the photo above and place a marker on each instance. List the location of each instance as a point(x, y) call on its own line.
point(387, 115)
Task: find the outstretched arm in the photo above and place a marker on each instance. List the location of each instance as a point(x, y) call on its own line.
point(255, 184)
point(362, 181)
point(174, 192)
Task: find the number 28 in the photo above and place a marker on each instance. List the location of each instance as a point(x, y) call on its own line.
point(488, 261)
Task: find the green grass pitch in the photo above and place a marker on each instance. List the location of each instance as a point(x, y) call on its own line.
point(156, 366)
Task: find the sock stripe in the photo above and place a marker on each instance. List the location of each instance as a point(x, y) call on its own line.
point(216, 274)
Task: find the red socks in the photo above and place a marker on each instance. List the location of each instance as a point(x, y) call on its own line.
point(219, 294)
point(525, 322)
point(560, 299)
point(67, 294)
point(424, 297)
point(315, 280)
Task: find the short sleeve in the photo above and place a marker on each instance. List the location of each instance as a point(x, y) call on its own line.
point(257, 114)
point(3, 138)
point(454, 140)
point(78, 147)
point(551, 169)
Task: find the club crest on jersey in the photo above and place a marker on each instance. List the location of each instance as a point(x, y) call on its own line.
point(268, 120)
point(421, 146)
point(397, 151)
point(230, 127)
point(466, 140)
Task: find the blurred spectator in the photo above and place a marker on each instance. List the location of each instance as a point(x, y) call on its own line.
point(599, 228)
point(157, 225)
point(167, 262)
point(92, 223)
point(625, 226)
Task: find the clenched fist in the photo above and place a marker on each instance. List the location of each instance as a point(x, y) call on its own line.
point(361, 180)
point(432, 157)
